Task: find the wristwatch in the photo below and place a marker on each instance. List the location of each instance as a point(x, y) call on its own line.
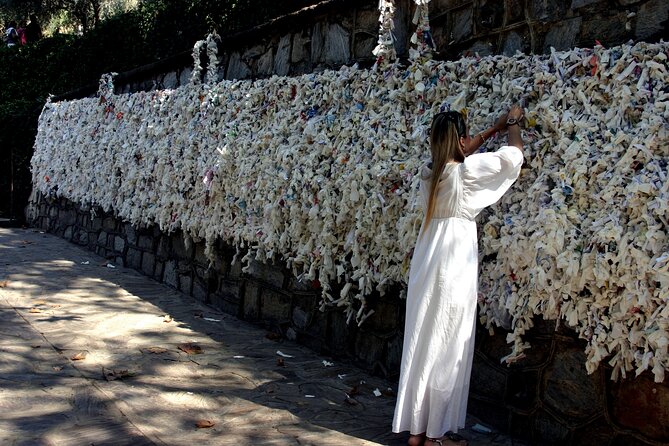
point(512, 121)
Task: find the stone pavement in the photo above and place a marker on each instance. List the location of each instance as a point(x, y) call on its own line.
point(92, 353)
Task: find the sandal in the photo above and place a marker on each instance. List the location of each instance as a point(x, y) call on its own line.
point(451, 436)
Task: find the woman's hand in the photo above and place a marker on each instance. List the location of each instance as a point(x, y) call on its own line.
point(500, 124)
point(516, 112)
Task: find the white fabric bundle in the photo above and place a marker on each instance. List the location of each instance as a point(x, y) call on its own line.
point(320, 171)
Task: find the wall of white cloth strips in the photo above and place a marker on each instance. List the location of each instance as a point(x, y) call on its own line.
point(320, 171)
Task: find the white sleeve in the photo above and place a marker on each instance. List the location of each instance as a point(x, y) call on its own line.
point(487, 176)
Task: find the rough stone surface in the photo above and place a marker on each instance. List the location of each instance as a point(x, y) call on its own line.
point(337, 50)
point(274, 307)
point(119, 244)
point(317, 43)
point(300, 48)
point(282, 58)
point(462, 24)
point(512, 43)
point(265, 63)
point(134, 258)
point(148, 263)
point(237, 68)
point(575, 4)
point(270, 274)
point(569, 388)
point(563, 35)
point(652, 18)
point(170, 273)
point(170, 80)
point(650, 401)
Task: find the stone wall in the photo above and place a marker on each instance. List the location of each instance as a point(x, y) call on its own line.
point(340, 32)
point(547, 397)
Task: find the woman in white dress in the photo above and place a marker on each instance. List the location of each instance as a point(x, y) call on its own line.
point(443, 279)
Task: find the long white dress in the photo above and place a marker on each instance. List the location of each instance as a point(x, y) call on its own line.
point(442, 294)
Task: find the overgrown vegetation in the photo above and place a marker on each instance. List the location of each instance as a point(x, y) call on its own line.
point(154, 30)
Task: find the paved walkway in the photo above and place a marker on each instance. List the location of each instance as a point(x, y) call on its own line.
point(91, 354)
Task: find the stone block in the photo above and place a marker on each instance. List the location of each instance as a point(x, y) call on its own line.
point(237, 68)
point(163, 250)
point(462, 24)
point(251, 307)
point(495, 415)
point(547, 10)
point(102, 238)
point(96, 223)
point(482, 48)
point(642, 405)
point(562, 36)
point(229, 290)
point(180, 250)
point(513, 42)
point(300, 48)
point(269, 274)
point(652, 19)
point(340, 333)
point(145, 242)
point(363, 46)
point(575, 4)
point(488, 379)
point(597, 432)
point(171, 80)
point(337, 50)
point(274, 306)
point(170, 273)
point(369, 349)
point(67, 217)
point(130, 234)
point(133, 259)
point(394, 354)
point(550, 429)
point(282, 57)
point(386, 313)
point(608, 29)
point(148, 263)
point(265, 64)
point(158, 271)
point(109, 224)
point(568, 389)
point(185, 283)
point(119, 244)
point(68, 233)
point(317, 43)
point(200, 257)
point(300, 318)
point(200, 290)
point(522, 390)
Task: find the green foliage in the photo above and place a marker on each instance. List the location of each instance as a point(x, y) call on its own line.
point(154, 30)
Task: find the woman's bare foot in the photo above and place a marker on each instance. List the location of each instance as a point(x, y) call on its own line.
point(416, 440)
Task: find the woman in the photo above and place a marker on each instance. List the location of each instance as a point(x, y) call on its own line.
point(443, 280)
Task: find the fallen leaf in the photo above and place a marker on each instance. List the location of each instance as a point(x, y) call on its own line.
point(350, 401)
point(203, 424)
point(34, 310)
point(4, 283)
point(167, 318)
point(354, 391)
point(57, 368)
point(272, 336)
point(40, 302)
point(190, 348)
point(35, 346)
point(156, 350)
point(78, 357)
point(198, 314)
point(112, 375)
point(280, 362)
